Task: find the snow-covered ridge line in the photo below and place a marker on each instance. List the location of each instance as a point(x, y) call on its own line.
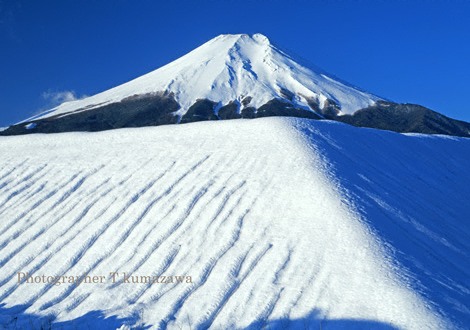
point(264, 214)
point(230, 68)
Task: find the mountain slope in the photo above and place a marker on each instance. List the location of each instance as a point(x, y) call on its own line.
point(406, 118)
point(277, 221)
point(230, 68)
point(231, 77)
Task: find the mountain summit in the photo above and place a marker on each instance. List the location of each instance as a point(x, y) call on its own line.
point(233, 68)
point(235, 76)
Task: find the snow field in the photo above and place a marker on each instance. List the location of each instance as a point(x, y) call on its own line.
point(257, 212)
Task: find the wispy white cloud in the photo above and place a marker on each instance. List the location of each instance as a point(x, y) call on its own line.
point(51, 99)
point(55, 98)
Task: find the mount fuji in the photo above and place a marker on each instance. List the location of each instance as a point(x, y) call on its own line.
point(247, 224)
point(235, 76)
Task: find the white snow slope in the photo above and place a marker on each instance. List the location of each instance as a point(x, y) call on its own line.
point(229, 68)
point(280, 222)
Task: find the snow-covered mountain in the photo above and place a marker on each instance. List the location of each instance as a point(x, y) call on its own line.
point(281, 223)
point(235, 76)
point(232, 68)
point(270, 223)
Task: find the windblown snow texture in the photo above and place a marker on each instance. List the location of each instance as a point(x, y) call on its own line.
point(280, 222)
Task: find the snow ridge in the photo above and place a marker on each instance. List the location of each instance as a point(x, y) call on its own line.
point(253, 210)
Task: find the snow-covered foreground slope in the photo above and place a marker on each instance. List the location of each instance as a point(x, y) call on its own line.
point(279, 222)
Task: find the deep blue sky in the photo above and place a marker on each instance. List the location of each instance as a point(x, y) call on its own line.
point(407, 51)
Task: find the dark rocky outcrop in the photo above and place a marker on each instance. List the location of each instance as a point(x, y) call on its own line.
point(330, 108)
point(249, 113)
point(134, 111)
point(160, 109)
point(229, 111)
point(287, 94)
point(200, 111)
point(246, 100)
point(279, 107)
point(406, 118)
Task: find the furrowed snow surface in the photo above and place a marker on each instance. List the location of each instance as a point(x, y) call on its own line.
point(229, 68)
point(280, 222)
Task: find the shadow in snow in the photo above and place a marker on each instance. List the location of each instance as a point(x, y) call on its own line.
point(413, 192)
point(16, 318)
point(314, 321)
